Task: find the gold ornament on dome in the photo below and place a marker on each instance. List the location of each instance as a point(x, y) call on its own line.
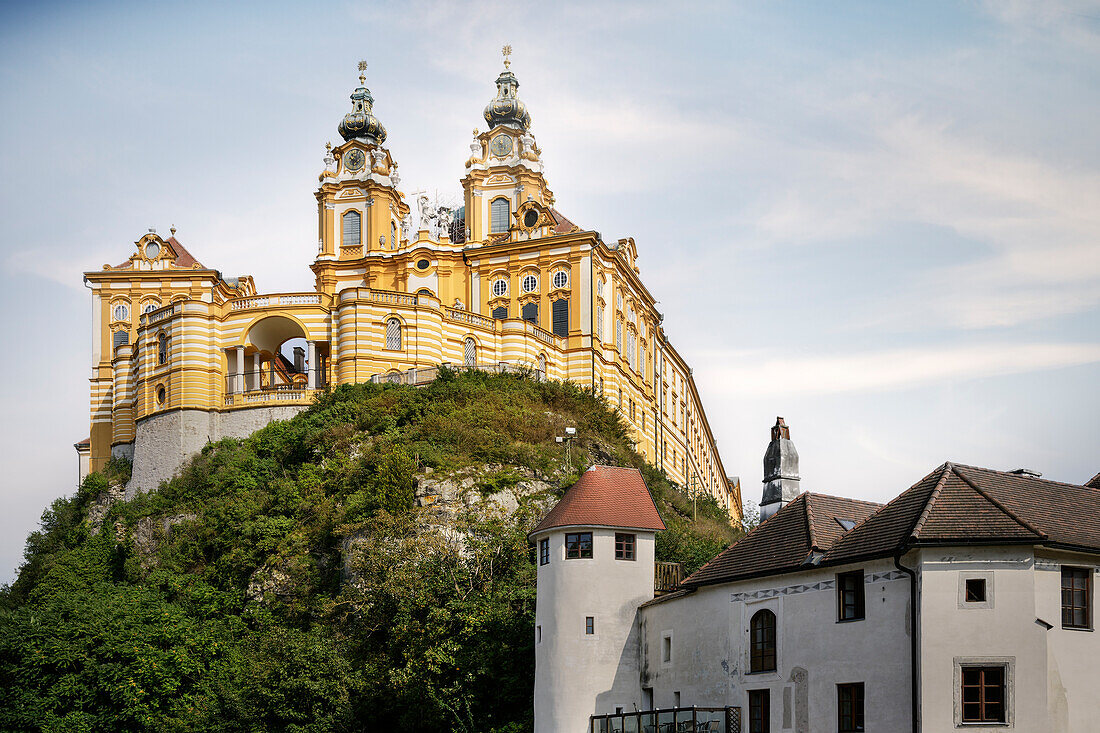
point(507, 51)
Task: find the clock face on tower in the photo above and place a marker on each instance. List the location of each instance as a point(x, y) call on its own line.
point(354, 160)
point(501, 145)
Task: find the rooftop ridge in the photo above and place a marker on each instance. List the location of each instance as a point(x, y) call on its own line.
point(841, 498)
point(1018, 476)
point(1008, 512)
point(810, 524)
point(946, 470)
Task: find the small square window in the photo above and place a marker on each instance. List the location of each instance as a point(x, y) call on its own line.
point(589, 625)
point(624, 546)
point(975, 590)
point(544, 551)
point(578, 545)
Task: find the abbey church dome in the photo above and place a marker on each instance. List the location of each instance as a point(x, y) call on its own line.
point(506, 108)
point(360, 123)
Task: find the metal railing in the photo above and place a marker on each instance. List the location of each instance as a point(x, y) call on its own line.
point(417, 377)
point(260, 380)
point(672, 720)
point(667, 577)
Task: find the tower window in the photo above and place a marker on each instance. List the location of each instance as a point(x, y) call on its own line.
point(530, 283)
point(162, 348)
point(351, 234)
point(578, 545)
point(624, 546)
point(393, 235)
point(499, 210)
point(469, 352)
point(393, 334)
point(561, 279)
point(500, 288)
point(544, 551)
point(589, 625)
point(162, 395)
point(561, 317)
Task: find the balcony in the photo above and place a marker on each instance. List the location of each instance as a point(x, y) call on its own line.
point(420, 377)
point(671, 720)
point(667, 577)
point(264, 387)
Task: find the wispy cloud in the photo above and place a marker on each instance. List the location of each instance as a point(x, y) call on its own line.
point(736, 375)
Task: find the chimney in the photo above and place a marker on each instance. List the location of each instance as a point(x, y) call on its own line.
point(780, 471)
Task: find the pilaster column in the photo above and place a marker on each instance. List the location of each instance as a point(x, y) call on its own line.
point(238, 378)
point(311, 365)
point(257, 370)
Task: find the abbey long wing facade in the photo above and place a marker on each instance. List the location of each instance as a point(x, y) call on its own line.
point(183, 355)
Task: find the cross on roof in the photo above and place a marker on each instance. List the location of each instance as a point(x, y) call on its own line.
point(507, 51)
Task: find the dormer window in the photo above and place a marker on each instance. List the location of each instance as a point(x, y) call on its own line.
point(499, 211)
point(152, 250)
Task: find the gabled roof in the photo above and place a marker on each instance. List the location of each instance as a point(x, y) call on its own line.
point(605, 496)
point(955, 504)
point(564, 226)
point(1094, 482)
point(184, 259)
point(808, 526)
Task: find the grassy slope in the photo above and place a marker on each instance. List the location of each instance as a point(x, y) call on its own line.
point(147, 624)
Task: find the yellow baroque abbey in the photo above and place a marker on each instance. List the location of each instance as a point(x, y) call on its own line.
point(183, 355)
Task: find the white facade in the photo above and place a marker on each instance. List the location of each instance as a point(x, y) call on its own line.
point(710, 628)
point(578, 674)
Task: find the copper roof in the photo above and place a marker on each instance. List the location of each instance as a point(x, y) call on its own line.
point(955, 504)
point(605, 496)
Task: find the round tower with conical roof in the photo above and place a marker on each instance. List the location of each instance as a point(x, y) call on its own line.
point(596, 567)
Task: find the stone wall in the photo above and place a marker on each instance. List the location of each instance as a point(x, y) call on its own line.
point(165, 440)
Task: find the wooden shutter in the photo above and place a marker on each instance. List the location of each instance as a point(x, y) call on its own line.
point(561, 317)
point(351, 230)
point(499, 209)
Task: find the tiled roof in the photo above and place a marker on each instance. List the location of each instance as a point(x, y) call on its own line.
point(605, 496)
point(955, 504)
point(783, 543)
point(184, 259)
point(564, 225)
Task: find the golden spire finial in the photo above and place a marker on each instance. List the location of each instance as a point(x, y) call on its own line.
point(507, 51)
point(362, 70)
point(475, 132)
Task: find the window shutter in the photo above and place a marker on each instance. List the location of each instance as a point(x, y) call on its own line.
point(351, 229)
point(499, 215)
point(469, 349)
point(120, 338)
point(561, 317)
point(599, 321)
point(500, 313)
point(531, 312)
point(619, 336)
point(393, 334)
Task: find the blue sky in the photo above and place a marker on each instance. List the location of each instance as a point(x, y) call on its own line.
point(879, 220)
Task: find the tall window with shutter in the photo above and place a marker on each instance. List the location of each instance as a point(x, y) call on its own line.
point(469, 352)
point(560, 309)
point(393, 235)
point(599, 322)
point(619, 336)
point(351, 235)
point(499, 210)
point(393, 334)
point(531, 312)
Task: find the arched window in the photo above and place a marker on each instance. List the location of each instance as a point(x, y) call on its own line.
point(162, 348)
point(619, 336)
point(499, 210)
point(393, 235)
point(469, 352)
point(542, 366)
point(149, 307)
point(393, 334)
point(500, 288)
point(561, 279)
point(530, 283)
point(762, 642)
point(121, 312)
point(351, 230)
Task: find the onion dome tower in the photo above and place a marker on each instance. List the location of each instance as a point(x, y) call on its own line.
point(360, 123)
point(506, 108)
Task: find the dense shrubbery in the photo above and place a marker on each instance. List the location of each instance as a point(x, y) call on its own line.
point(153, 621)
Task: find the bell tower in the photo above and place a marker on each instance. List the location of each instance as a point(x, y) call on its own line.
point(504, 174)
point(359, 208)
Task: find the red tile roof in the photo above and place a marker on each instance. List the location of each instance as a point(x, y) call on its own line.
point(605, 496)
point(564, 225)
point(785, 541)
point(955, 504)
point(184, 259)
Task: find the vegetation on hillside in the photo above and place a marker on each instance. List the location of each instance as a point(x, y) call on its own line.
point(288, 581)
